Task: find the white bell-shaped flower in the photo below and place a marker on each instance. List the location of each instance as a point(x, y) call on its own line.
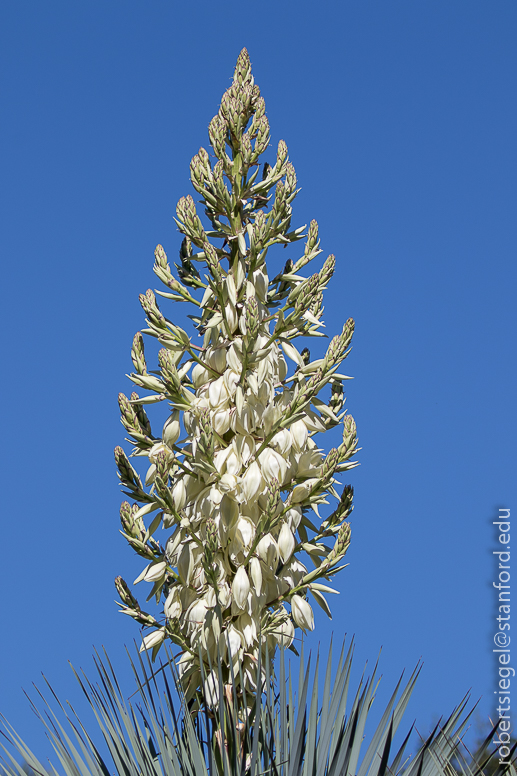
point(216, 358)
point(172, 608)
point(234, 641)
point(171, 429)
point(294, 517)
point(179, 495)
point(282, 441)
point(251, 481)
point(240, 587)
point(153, 639)
point(256, 574)
point(285, 633)
point(196, 613)
point(248, 627)
point(302, 613)
point(200, 376)
point(245, 530)
point(299, 435)
point(267, 550)
point(217, 392)
point(155, 571)
point(273, 465)
point(221, 421)
point(286, 542)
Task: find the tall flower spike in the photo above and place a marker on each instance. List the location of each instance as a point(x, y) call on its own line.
point(237, 480)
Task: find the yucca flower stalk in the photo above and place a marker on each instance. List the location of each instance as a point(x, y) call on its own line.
point(236, 476)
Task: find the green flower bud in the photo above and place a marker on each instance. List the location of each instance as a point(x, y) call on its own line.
point(212, 261)
point(127, 474)
point(127, 598)
point(217, 130)
point(306, 296)
point(281, 156)
point(341, 545)
point(327, 271)
point(242, 74)
point(290, 181)
point(262, 137)
point(189, 221)
point(128, 415)
point(148, 302)
point(329, 464)
point(137, 353)
point(141, 415)
point(312, 238)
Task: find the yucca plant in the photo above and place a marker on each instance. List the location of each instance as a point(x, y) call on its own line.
point(239, 494)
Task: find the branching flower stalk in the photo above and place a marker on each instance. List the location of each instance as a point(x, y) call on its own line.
point(239, 494)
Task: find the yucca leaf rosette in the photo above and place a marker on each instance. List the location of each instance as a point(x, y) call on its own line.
point(236, 477)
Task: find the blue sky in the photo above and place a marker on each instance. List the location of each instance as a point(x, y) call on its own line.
point(400, 120)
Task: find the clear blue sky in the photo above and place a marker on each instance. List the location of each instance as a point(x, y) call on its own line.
point(400, 118)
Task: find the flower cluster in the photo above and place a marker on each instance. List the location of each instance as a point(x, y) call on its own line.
point(240, 492)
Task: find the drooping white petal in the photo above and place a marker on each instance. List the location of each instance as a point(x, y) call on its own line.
point(196, 613)
point(282, 441)
point(216, 359)
point(200, 376)
point(233, 463)
point(234, 359)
